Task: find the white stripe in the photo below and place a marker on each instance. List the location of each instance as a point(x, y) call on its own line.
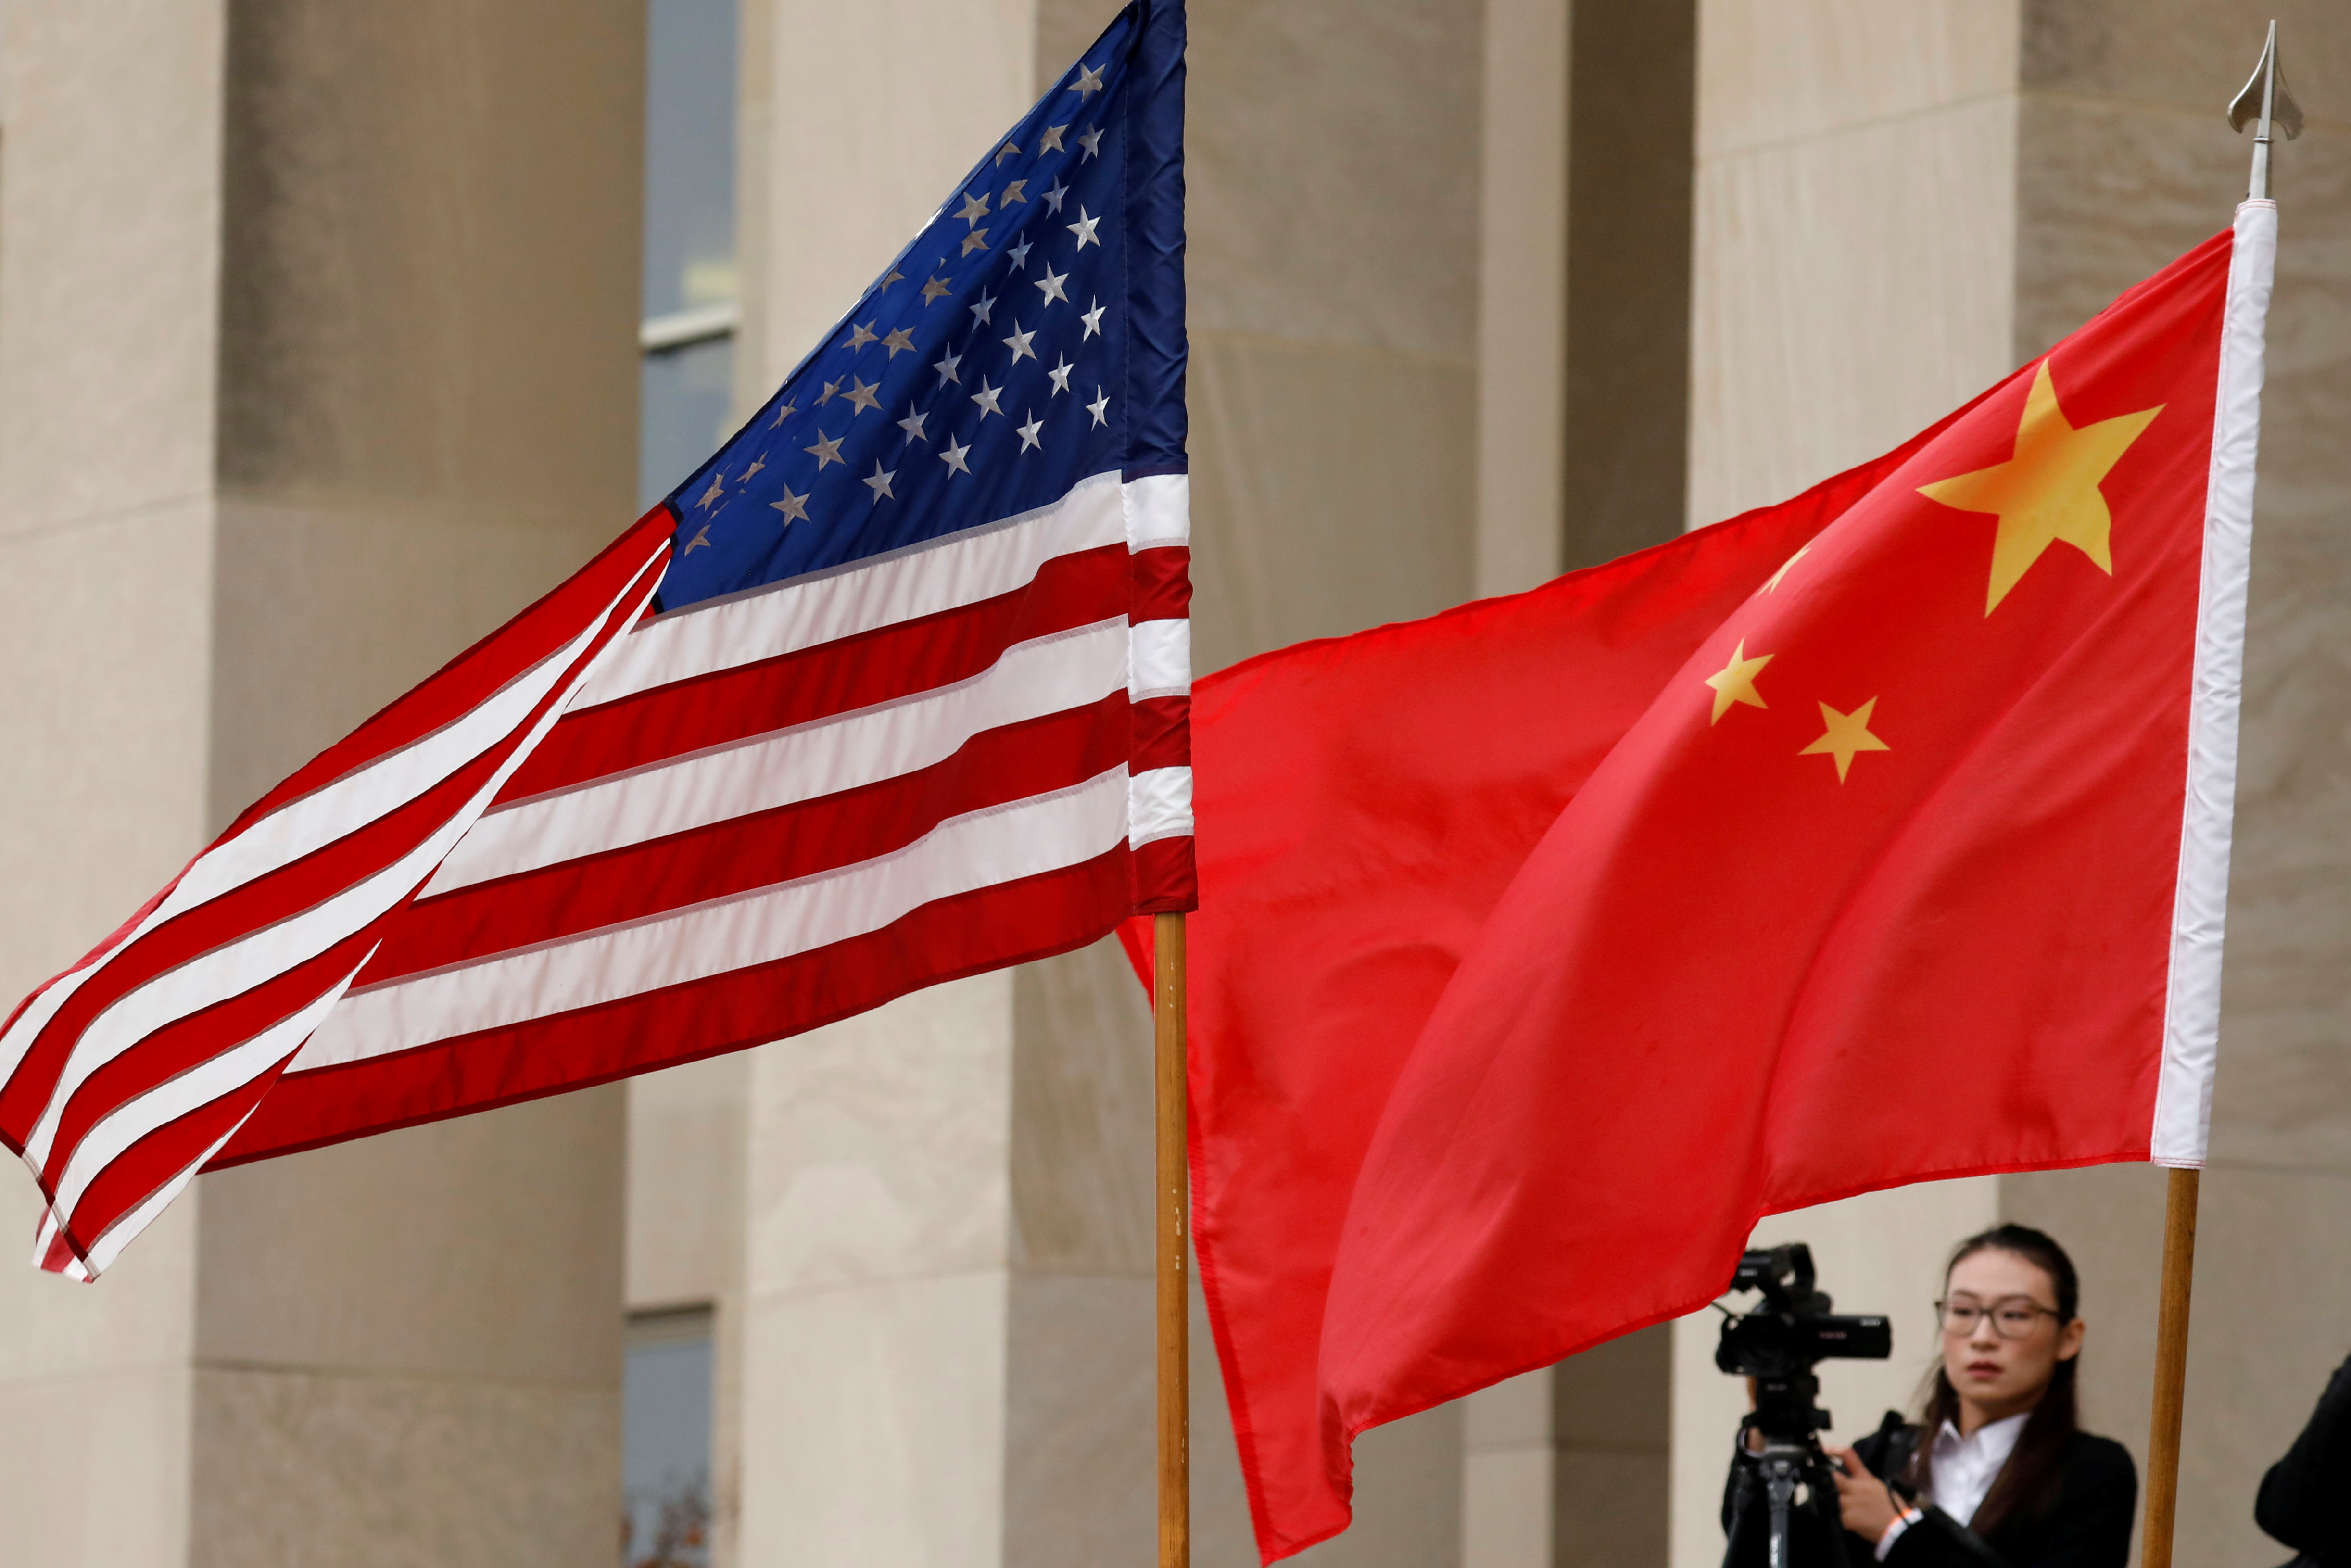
point(1161, 663)
point(767, 622)
point(2191, 1012)
point(202, 1084)
point(238, 966)
point(335, 811)
point(1046, 675)
point(1158, 510)
point(1003, 843)
point(123, 1231)
point(1159, 805)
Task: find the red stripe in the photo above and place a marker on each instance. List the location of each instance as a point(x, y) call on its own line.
point(1161, 583)
point(254, 905)
point(1009, 922)
point(1164, 881)
point(835, 677)
point(59, 1251)
point(1162, 733)
point(471, 678)
point(241, 912)
point(195, 1038)
point(132, 1178)
point(761, 850)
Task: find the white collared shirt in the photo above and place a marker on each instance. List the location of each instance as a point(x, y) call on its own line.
point(1966, 1466)
point(1964, 1469)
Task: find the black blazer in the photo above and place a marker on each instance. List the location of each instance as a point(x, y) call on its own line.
point(2301, 1497)
point(2089, 1526)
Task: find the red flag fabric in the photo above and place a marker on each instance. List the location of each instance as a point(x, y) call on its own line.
point(1546, 946)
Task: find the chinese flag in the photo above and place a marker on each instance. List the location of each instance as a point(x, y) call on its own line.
point(1546, 946)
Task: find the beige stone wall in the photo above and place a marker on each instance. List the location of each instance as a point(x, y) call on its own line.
point(1855, 230)
point(106, 344)
point(309, 374)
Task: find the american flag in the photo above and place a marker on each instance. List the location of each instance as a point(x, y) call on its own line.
point(894, 689)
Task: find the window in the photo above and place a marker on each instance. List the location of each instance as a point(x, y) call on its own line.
point(685, 395)
point(665, 1440)
point(689, 329)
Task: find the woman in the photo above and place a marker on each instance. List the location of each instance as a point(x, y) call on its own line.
point(1999, 1473)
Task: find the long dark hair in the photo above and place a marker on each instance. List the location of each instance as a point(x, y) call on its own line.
point(2026, 1488)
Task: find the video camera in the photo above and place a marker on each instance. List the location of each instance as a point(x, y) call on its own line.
point(1778, 1462)
point(1794, 1331)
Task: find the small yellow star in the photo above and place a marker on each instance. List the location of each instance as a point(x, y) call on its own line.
point(1848, 734)
point(1786, 566)
point(974, 241)
point(2049, 490)
point(1735, 682)
point(934, 291)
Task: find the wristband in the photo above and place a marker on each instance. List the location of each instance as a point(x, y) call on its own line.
point(1902, 1521)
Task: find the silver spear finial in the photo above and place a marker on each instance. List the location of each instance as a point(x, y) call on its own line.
point(2266, 101)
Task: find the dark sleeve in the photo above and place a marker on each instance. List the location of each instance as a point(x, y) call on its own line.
point(1938, 1540)
point(2301, 1498)
point(1887, 1448)
point(2089, 1528)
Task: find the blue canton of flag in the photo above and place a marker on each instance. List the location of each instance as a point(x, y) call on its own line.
point(982, 375)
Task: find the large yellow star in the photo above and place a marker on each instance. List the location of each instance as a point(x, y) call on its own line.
point(1848, 734)
point(2049, 490)
point(1735, 682)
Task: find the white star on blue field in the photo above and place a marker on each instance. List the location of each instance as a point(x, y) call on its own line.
point(980, 377)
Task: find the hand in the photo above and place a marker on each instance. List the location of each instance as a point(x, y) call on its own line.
point(1863, 1502)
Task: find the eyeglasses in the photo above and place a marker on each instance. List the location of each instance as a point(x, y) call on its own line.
point(2012, 1317)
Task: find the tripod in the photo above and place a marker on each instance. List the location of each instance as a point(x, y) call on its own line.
point(1786, 1531)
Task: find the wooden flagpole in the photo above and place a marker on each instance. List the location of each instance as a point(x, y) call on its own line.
point(2170, 1367)
point(1174, 1200)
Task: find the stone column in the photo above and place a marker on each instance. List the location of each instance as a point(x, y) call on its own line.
point(110, 220)
point(1582, 374)
point(877, 1323)
point(946, 1317)
point(1571, 1464)
point(1523, 238)
point(308, 376)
